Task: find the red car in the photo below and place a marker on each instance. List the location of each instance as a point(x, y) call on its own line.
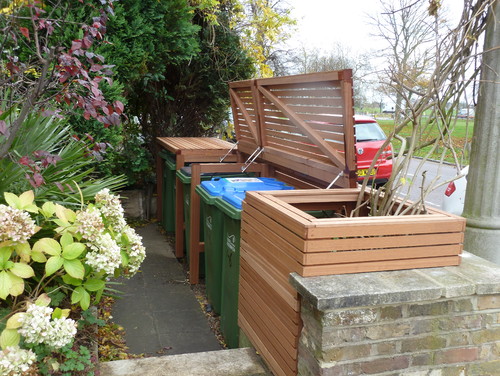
point(369, 139)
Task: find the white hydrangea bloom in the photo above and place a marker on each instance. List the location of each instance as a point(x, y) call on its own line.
point(15, 361)
point(15, 225)
point(63, 331)
point(111, 208)
point(38, 327)
point(89, 224)
point(104, 254)
point(136, 251)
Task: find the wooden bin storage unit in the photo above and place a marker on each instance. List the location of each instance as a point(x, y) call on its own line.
point(189, 149)
point(299, 128)
point(278, 237)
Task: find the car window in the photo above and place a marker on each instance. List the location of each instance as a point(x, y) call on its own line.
point(369, 132)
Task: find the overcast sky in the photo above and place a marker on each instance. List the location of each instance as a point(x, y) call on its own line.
point(322, 23)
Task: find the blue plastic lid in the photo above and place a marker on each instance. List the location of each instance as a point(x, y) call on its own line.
point(236, 197)
point(218, 185)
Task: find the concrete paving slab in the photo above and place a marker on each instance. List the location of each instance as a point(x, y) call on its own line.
point(235, 362)
point(158, 309)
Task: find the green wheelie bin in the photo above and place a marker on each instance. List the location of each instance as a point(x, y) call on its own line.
point(168, 193)
point(230, 205)
point(212, 225)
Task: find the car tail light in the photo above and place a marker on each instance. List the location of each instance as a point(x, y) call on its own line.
point(450, 189)
point(387, 152)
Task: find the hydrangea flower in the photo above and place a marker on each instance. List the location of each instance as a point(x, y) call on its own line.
point(104, 254)
point(89, 224)
point(111, 208)
point(15, 225)
point(15, 361)
point(37, 327)
point(136, 251)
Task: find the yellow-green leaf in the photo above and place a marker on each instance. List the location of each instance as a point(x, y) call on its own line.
point(5, 253)
point(31, 208)
point(38, 257)
point(74, 268)
point(65, 313)
point(24, 251)
point(94, 284)
point(48, 209)
point(14, 321)
point(53, 264)
point(26, 198)
point(5, 284)
point(12, 200)
point(17, 287)
point(69, 280)
point(66, 239)
point(22, 270)
point(67, 215)
point(73, 250)
point(9, 337)
point(43, 300)
point(77, 294)
point(48, 246)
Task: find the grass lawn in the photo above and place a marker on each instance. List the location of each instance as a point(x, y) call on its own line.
point(461, 136)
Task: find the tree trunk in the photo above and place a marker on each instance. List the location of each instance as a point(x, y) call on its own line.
point(482, 199)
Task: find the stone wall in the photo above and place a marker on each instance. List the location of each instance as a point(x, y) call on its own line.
point(439, 321)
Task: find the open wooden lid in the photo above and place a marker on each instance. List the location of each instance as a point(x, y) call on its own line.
point(304, 123)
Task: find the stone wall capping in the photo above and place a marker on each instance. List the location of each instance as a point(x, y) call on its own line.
point(474, 276)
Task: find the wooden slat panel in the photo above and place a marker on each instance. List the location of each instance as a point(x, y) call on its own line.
point(295, 223)
point(312, 167)
point(259, 344)
point(248, 255)
point(293, 239)
point(279, 262)
point(288, 315)
point(251, 301)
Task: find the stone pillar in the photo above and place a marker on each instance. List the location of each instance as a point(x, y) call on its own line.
point(435, 321)
point(482, 200)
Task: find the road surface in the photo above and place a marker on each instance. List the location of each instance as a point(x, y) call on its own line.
point(443, 172)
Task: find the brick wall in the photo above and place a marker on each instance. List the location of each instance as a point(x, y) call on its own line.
point(441, 321)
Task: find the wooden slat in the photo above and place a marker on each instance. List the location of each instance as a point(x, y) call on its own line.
point(303, 79)
point(310, 102)
point(376, 266)
point(247, 117)
point(309, 93)
point(380, 254)
point(385, 242)
point(373, 226)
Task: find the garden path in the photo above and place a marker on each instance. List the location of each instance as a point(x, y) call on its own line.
point(158, 310)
